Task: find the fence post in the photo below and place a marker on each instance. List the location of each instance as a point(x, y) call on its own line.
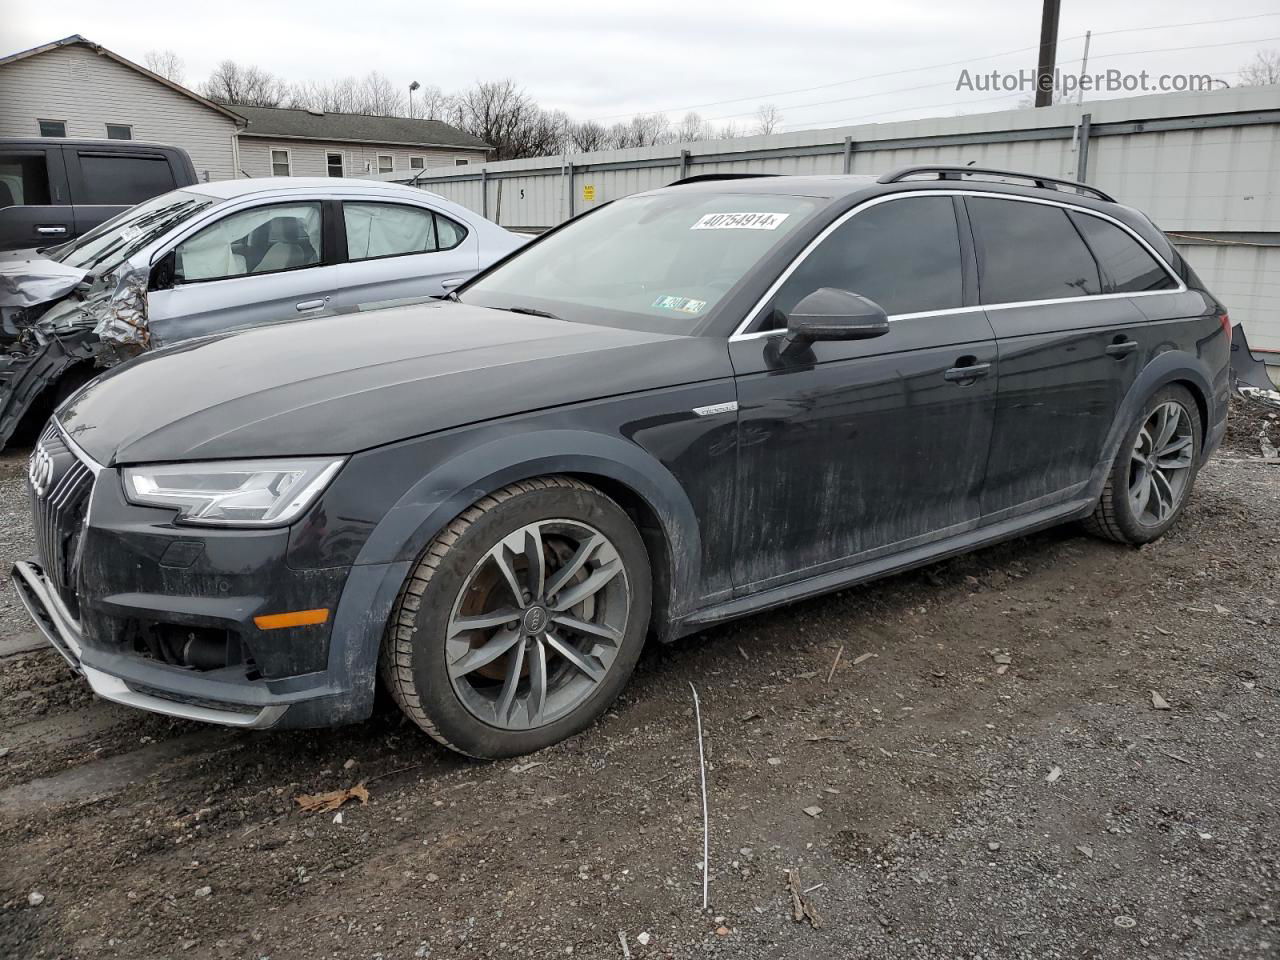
point(848, 154)
point(1082, 155)
point(484, 193)
point(684, 164)
point(569, 170)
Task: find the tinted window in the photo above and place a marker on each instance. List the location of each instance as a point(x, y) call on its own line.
point(1029, 251)
point(1126, 265)
point(24, 181)
point(122, 180)
point(387, 230)
point(259, 240)
point(903, 254)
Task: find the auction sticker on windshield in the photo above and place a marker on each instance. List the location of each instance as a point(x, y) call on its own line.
point(740, 221)
point(683, 304)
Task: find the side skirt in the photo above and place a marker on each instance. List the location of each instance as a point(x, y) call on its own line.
point(882, 566)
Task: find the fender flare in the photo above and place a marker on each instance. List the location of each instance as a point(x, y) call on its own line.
point(444, 492)
point(1169, 367)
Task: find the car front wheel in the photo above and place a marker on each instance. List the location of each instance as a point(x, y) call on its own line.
point(1154, 470)
point(522, 621)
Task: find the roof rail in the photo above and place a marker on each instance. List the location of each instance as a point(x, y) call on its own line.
point(707, 177)
point(957, 173)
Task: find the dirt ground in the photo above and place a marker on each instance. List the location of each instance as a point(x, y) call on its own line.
point(985, 772)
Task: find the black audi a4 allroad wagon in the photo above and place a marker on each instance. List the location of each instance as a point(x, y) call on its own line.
point(686, 406)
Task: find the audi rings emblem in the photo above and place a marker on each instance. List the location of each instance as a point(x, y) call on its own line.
point(40, 471)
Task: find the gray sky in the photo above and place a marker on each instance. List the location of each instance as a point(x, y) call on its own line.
point(662, 55)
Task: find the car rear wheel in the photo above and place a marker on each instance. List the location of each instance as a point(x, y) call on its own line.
point(1154, 470)
point(522, 621)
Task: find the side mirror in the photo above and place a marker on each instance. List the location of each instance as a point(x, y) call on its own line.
point(832, 314)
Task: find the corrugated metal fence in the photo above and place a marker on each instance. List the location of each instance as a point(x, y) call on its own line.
point(1206, 167)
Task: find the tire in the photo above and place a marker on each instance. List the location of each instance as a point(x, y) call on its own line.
point(555, 678)
point(1118, 515)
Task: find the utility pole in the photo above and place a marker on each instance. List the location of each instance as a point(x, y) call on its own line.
point(1048, 52)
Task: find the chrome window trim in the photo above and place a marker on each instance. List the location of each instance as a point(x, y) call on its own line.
point(754, 313)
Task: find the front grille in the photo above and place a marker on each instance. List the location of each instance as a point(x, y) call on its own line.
point(60, 484)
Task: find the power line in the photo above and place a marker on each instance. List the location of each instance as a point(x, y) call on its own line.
point(935, 66)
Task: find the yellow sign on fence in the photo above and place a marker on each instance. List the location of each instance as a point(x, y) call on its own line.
point(588, 193)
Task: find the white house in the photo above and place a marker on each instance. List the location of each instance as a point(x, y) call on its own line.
point(76, 88)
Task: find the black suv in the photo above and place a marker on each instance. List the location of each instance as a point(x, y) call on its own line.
point(52, 190)
point(686, 406)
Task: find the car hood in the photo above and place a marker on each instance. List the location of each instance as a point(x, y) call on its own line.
point(341, 384)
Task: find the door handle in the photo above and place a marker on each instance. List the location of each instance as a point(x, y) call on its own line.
point(454, 282)
point(311, 304)
point(1122, 348)
point(51, 231)
point(967, 370)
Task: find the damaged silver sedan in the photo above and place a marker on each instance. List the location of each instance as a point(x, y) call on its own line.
point(216, 257)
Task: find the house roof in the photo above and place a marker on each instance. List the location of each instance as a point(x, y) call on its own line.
point(354, 127)
point(75, 39)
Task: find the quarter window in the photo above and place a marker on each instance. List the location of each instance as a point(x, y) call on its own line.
point(386, 163)
point(1030, 251)
point(1126, 266)
point(280, 166)
point(260, 240)
point(119, 131)
point(903, 254)
point(333, 161)
point(53, 128)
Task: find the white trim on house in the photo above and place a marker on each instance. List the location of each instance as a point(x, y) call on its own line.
point(288, 160)
point(342, 160)
point(391, 162)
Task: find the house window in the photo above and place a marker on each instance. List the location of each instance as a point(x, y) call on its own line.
point(334, 162)
point(119, 131)
point(417, 163)
point(280, 163)
point(386, 163)
point(460, 161)
point(53, 128)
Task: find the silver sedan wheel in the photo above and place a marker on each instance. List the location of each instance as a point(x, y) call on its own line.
point(1160, 469)
point(537, 624)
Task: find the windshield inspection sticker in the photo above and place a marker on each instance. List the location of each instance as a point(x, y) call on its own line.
point(683, 304)
point(740, 221)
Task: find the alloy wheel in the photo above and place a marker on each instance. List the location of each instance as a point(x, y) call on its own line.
point(537, 624)
point(1160, 467)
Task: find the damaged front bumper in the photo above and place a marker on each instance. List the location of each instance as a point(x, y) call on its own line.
point(56, 318)
point(1251, 376)
point(62, 630)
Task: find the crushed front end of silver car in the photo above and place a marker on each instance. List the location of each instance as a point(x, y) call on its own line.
point(55, 317)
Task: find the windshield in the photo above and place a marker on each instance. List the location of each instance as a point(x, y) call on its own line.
point(108, 245)
point(659, 262)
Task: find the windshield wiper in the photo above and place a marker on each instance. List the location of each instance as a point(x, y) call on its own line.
point(531, 311)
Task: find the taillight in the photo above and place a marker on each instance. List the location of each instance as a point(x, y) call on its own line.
point(1226, 324)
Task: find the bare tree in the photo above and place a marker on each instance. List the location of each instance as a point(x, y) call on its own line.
point(431, 103)
point(1262, 70)
point(233, 83)
point(728, 132)
point(167, 64)
point(588, 136)
point(335, 96)
point(692, 128)
point(768, 119)
point(506, 118)
point(380, 97)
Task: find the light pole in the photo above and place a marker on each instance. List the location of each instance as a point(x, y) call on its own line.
point(412, 87)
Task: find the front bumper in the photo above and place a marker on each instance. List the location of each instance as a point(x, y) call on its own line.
point(63, 631)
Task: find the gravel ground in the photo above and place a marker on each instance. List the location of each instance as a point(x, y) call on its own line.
point(996, 771)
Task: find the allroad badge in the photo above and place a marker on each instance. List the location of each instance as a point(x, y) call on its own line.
point(40, 471)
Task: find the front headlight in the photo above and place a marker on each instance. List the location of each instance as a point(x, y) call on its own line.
point(235, 493)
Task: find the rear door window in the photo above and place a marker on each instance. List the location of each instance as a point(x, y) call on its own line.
point(1029, 251)
point(1126, 265)
point(24, 180)
point(266, 239)
point(903, 254)
point(122, 179)
point(387, 230)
